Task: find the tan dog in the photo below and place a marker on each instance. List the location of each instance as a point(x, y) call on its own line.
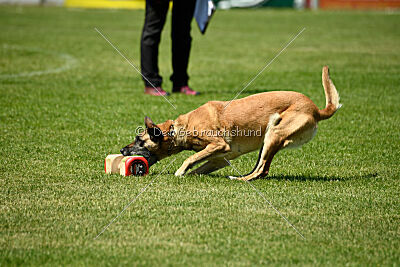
point(220, 131)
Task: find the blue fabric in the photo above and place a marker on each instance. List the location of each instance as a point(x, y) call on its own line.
point(202, 13)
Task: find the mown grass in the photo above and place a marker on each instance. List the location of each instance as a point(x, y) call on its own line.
point(341, 191)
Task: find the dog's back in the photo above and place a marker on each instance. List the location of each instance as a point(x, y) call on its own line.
point(251, 111)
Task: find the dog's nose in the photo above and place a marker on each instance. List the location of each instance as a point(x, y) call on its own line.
point(124, 151)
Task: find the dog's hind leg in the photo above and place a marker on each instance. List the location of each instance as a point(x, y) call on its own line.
point(283, 131)
point(210, 166)
point(270, 146)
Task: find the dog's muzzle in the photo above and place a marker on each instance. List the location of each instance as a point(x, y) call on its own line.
point(125, 151)
point(144, 152)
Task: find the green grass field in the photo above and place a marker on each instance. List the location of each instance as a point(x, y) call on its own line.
point(341, 191)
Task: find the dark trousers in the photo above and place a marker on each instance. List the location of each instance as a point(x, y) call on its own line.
point(156, 13)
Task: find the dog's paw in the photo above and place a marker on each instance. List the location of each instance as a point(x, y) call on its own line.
point(179, 172)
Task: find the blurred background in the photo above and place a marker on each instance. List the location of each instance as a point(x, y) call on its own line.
point(225, 4)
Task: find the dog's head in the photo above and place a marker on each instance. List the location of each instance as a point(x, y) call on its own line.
point(153, 143)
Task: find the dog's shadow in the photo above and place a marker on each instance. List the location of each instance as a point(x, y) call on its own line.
point(279, 177)
point(321, 178)
point(308, 177)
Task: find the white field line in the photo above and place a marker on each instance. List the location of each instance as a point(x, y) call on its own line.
point(69, 62)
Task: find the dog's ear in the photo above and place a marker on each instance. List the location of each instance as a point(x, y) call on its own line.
point(149, 123)
point(155, 133)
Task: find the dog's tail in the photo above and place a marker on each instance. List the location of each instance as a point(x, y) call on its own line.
point(331, 94)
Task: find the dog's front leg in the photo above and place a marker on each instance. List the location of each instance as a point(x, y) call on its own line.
point(210, 166)
point(210, 151)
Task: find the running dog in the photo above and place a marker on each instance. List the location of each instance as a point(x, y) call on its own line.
point(220, 131)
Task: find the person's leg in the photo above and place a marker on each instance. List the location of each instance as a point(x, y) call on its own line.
point(156, 12)
point(182, 15)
